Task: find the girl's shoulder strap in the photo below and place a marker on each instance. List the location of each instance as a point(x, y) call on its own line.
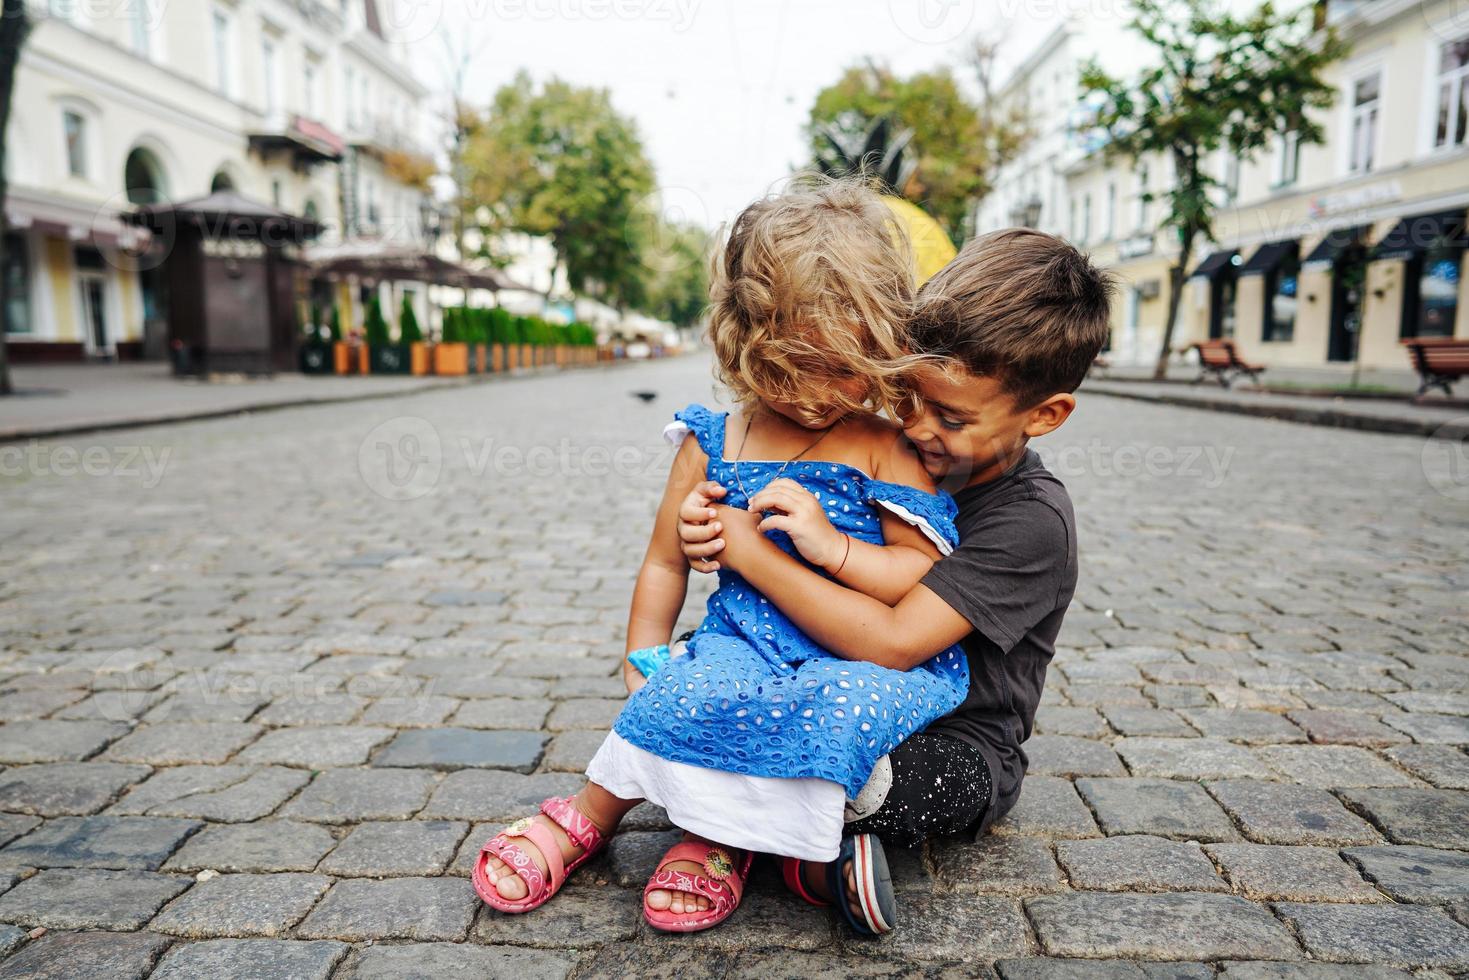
point(931, 513)
point(706, 426)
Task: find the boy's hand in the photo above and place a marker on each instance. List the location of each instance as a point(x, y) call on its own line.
point(798, 512)
point(698, 531)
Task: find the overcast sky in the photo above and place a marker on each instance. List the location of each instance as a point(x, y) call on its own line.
point(719, 88)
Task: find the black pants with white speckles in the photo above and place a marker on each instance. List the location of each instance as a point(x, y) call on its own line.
point(940, 785)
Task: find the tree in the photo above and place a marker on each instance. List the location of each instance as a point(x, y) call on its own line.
point(14, 26)
point(678, 288)
point(563, 163)
point(948, 144)
point(1221, 81)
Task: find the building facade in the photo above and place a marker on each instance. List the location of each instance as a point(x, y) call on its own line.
point(1327, 256)
point(307, 105)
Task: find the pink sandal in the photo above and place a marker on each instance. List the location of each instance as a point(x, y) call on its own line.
point(540, 887)
point(723, 883)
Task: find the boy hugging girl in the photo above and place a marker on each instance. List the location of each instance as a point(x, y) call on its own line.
point(889, 592)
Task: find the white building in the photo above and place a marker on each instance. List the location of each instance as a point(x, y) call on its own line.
point(304, 104)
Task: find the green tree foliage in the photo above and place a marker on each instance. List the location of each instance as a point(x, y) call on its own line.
point(375, 327)
point(334, 324)
point(559, 160)
point(678, 267)
point(949, 142)
point(1219, 81)
point(408, 330)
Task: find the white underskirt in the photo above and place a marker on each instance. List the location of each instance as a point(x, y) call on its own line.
point(799, 818)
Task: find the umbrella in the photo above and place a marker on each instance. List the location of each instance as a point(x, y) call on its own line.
point(932, 249)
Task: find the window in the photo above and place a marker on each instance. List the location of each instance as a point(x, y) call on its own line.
point(1281, 299)
point(142, 28)
point(1109, 226)
point(224, 69)
point(275, 193)
point(1086, 219)
point(1071, 227)
point(1366, 99)
point(350, 90)
point(75, 126)
point(1431, 299)
point(17, 285)
point(308, 85)
point(1287, 159)
point(268, 73)
point(1229, 176)
point(1453, 93)
point(1141, 206)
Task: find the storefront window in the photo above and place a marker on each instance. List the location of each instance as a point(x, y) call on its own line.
point(1221, 322)
point(17, 286)
point(1282, 300)
point(1433, 292)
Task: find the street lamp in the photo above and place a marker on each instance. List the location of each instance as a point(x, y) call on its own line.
point(1027, 214)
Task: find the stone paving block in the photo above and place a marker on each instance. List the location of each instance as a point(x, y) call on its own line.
point(526, 714)
point(172, 744)
point(239, 905)
point(355, 643)
point(965, 929)
point(260, 959)
point(433, 960)
point(1173, 926)
point(55, 741)
point(225, 794)
point(1235, 697)
point(65, 788)
point(26, 705)
point(1176, 696)
point(1430, 817)
point(1309, 971)
point(1397, 935)
point(1429, 729)
point(121, 843)
point(457, 748)
point(1148, 721)
point(1442, 765)
point(230, 705)
point(358, 909)
point(409, 847)
point(69, 955)
point(489, 795)
point(1101, 695)
point(572, 751)
point(1138, 863)
point(72, 898)
point(354, 795)
point(1044, 968)
point(12, 938)
point(582, 915)
point(1332, 766)
point(14, 825)
point(1239, 725)
point(1055, 720)
point(1187, 758)
point(410, 712)
point(1275, 813)
point(1160, 807)
point(316, 748)
point(1048, 807)
point(589, 687)
point(1415, 874)
point(267, 845)
point(1065, 755)
point(1434, 702)
point(594, 713)
point(1000, 865)
point(631, 857)
point(1272, 873)
point(1346, 728)
point(329, 708)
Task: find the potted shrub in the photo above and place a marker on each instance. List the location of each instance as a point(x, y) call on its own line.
point(498, 329)
point(451, 353)
point(315, 355)
point(384, 356)
point(481, 346)
point(411, 336)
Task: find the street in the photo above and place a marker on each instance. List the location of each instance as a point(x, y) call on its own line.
point(268, 682)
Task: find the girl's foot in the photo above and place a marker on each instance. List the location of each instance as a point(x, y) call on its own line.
point(679, 903)
point(511, 885)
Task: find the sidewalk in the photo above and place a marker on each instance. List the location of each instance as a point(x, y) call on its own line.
point(1445, 420)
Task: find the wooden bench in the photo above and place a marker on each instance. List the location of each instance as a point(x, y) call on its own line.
point(1439, 361)
point(1221, 359)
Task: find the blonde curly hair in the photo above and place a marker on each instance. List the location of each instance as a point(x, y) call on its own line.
point(813, 288)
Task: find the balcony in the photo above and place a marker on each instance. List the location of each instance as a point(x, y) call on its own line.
point(307, 141)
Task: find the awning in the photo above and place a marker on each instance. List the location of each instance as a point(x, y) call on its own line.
point(1216, 263)
point(78, 222)
point(1268, 256)
point(379, 261)
point(1337, 241)
point(1419, 233)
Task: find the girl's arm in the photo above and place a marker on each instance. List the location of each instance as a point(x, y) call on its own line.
point(663, 579)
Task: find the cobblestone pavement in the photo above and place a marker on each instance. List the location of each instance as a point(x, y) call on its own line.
point(267, 683)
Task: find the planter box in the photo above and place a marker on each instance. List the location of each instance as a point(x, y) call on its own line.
point(497, 358)
point(390, 359)
point(451, 359)
point(315, 359)
point(527, 356)
point(349, 358)
point(420, 357)
point(481, 358)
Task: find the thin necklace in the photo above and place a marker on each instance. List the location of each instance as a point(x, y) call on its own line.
point(740, 451)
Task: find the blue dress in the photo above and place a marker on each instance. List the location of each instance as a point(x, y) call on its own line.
point(754, 694)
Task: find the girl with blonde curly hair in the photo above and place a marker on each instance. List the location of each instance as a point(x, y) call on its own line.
point(754, 738)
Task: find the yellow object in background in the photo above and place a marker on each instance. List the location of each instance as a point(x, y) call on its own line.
point(932, 249)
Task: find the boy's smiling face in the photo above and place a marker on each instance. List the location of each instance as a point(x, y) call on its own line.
point(969, 430)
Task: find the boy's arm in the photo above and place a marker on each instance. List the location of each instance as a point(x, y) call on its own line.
point(663, 579)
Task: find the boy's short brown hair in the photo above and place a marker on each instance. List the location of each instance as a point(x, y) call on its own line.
point(1020, 306)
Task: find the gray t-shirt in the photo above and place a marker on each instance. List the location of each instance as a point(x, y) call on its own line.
point(1012, 577)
